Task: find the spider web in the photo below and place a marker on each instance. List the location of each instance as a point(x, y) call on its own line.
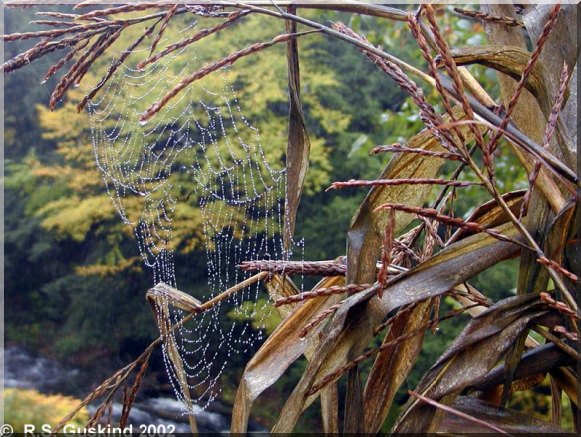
point(198, 160)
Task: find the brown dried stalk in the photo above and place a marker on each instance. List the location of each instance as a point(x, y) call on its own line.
point(69, 78)
point(204, 71)
point(549, 25)
point(114, 66)
point(557, 106)
point(562, 307)
point(44, 47)
point(455, 412)
point(432, 238)
point(162, 28)
point(232, 18)
point(390, 320)
point(398, 148)
point(480, 300)
point(333, 376)
point(555, 266)
point(130, 397)
point(567, 334)
point(548, 135)
point(383, 182)
point(481, 15)
point(553, 164)
point(426, 111)
point(573, 353)
point(402, 246)
point(320, 292)
point(57, 15)
point(56, 67)
point(53, 23)
point(416, 30)
point(99, 413)
point(438, 205)
point(458, 85)
point(111, 384)
point(54, 33)
point(80, 68)
point(98, 52)
point(452, 221)
point(404, 250)
point(319, 318)
point(314, 268)
point(386, 251)
point(119, 10)
point(532, 243)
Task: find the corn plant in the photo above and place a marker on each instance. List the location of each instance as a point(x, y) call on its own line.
point(405, 250)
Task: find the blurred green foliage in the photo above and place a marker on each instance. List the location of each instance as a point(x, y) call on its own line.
point(23, 407)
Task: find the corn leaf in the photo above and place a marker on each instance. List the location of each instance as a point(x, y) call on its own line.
point(471, 356)
point(392, 366)
point(350, 330)
point(279, 351)
point(298, 145)
point(508, 420)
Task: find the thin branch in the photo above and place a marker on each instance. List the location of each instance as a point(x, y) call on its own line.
point(113, 383)
point(53, 23)
point(452, 221)
point(114, 66)
point(232, 18)
point(204, 71)
point(44, 47)
point(457, 413)
point(426, 111)
point(392, 182)
point(57, 32)
point(556, 267)
point(81, 67)
point(120, 10)
point(549, 25)
point(386, 251)
point(559, 306)
point(416, 30)
point(321, 292)
point(558, 342)
point(400, 15)
point(484, 16)
point(457, 83)
point(564, 173)
point(56, 67)
point(315, 268)
point(567, 334)
point(398, 148)
point(319, 318)
point(164, 24)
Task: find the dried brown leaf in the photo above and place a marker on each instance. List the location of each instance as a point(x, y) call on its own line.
point(392, 366)
point(279, 351)
point(348, 333)
point(472, 355)
point(298, 143)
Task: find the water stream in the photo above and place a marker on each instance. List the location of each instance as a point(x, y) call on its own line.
point(23, 369)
